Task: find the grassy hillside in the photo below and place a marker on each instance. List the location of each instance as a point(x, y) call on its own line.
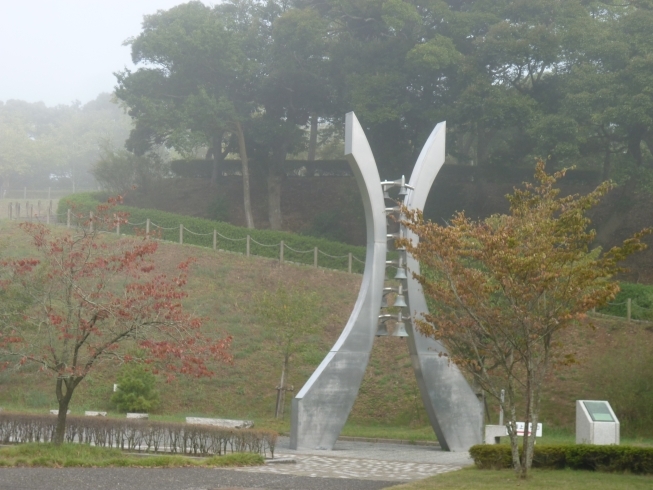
point(615, 358)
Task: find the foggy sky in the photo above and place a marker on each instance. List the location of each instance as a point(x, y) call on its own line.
point(59, 51)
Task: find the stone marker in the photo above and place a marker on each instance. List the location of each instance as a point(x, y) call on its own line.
point(95, 414)
point(137, 416)
point(226, 423)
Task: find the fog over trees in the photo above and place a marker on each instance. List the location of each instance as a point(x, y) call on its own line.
point(57, 146)
point(258, 80)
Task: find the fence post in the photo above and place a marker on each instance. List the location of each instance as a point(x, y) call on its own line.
point(38, 209)
point(181, 234)
point(215, 239)
point(17, 210)
point(349, 266)
point(147, 228)
point(315, 257)
point(11, 210)
point(247, 247)
point(628, 308)
point(68, 218)
point(47, 217)
point(49, 193)
point(281, 252)
point(31, 212)
point(118, 228)
point(90, 215)
point(24, 192)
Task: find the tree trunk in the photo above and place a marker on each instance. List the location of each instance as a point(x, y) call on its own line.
point(214, 154)
point(245, 164)
point(526, 448)
point(281, 391)
point(64, 402)
point(274, 198)
point(276, 175)
point(607, 163)
point(312, 140)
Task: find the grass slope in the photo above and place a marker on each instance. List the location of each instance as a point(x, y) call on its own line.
point(615, 361)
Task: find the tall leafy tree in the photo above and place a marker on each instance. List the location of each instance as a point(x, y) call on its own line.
point(503, 289)
point(194, 85)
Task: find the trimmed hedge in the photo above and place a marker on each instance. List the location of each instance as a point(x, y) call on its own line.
point(137, 435)
point(201, 234)
point(577, 457)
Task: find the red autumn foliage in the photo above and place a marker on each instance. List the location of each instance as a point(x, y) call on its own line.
point(87, 298)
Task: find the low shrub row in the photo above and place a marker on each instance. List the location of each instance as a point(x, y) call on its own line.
point(298, 248)
point(578, 457)
point(138, 435)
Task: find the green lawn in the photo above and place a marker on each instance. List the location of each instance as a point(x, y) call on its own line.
point(471, 479)
point(81, 455)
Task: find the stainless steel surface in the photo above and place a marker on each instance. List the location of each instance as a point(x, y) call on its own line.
point(321, 408)
point(454, 410)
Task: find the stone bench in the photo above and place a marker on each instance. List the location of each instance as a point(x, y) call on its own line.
point(89, 413)
point(224, 423)
point(138, 416)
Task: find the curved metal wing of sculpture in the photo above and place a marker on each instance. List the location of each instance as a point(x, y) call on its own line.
point(454, 410)
point(321, 408)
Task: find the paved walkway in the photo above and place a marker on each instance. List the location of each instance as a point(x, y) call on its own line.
point(366, 461)
point(350, 466)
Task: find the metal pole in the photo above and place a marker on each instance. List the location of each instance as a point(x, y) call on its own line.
point(315, 257)
point(349, 266)
point(17, 210)
point(68, 219)
point(247, 247)
point(628, 308)
point(11, 210)
point(215, 239)
point(49, 193)
point(181, 234)
point(281, 252)
point(118, 228)
point(147, 227)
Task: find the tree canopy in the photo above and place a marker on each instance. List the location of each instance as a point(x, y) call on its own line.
point(566, 81)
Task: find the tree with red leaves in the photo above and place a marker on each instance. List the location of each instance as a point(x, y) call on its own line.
point(88, 298)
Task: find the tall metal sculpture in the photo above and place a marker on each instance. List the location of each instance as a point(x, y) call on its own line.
point(321, 408)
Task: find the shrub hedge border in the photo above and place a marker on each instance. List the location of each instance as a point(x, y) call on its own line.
point(138, 435)
point(86, 202)
point(618, 459)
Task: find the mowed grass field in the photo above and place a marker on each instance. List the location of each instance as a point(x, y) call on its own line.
point(472, 478)
point(615, 359)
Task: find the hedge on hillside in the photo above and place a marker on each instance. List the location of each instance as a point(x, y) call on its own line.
point(137, 435)
point(201, 234)
point(642, 301)
point(577, 457)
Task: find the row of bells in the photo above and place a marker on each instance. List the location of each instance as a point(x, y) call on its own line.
point(400, 299)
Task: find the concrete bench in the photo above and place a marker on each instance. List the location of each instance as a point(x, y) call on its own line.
point(89, 413)
point(138, 416)
point(225, 423)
